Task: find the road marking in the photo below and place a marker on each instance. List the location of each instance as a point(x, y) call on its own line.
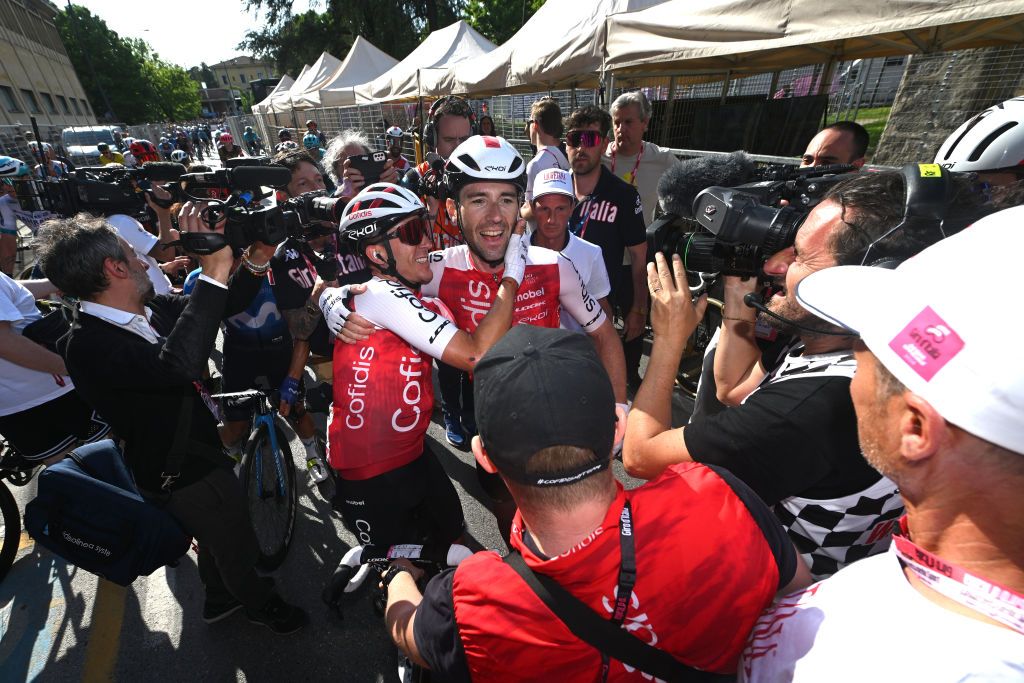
point(104, 632)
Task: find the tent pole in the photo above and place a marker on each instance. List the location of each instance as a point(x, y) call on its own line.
point(774, 85)
point(725, 87)
point(670, 105)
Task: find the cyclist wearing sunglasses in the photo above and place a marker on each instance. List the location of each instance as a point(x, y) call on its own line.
point(383, 391)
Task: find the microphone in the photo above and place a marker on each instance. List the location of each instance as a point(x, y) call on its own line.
point(258, 176)
point(162, 170)
point(435, 162)
point(682, 182)
point(753, 301)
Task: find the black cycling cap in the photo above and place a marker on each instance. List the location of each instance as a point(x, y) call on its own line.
point(537, 388)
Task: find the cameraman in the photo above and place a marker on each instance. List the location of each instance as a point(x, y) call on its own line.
point(296, 266)
point(844, 142)
point(794, 438)
point(138, 359)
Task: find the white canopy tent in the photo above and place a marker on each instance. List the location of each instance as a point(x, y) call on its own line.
point(561, 44)
point(445, 47)
point(749, 36)
point(303, 94)
point(281, 100)
point(283, 85)
point(363, 63)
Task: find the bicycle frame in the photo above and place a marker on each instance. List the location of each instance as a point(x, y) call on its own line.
point(265, 417)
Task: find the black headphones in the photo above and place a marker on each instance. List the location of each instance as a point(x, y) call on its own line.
point(929, 191)
point(429, 130)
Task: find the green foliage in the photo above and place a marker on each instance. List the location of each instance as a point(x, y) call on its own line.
point(498, 20)
point(395, 26)
point(139, 86)
point(203, 74)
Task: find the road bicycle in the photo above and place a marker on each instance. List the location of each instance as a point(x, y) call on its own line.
point(14, 471)
point(268, 474)
point(369, 561)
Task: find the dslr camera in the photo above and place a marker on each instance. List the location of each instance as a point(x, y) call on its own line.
point(735, 229)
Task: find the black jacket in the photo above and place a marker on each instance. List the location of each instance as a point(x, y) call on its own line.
point(139, 387)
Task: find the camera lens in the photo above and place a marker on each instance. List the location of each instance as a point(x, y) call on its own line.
point(781, 232)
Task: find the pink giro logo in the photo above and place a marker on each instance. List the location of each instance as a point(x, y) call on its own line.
point(927, 343)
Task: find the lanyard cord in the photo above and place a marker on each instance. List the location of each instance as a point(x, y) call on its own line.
point(632, 177)
point(978, 594)
point(627, 576)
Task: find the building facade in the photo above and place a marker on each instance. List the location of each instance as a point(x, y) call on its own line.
point(235, 75)
point(36, 76)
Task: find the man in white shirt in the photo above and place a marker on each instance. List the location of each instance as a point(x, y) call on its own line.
point(545, 130)
point(940, 404)
point(630, 157)
point(553, 200)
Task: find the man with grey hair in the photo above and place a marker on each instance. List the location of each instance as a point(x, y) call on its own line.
point(629, 156)
point(139, 359)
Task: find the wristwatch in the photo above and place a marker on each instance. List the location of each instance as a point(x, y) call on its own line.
point(393, 571)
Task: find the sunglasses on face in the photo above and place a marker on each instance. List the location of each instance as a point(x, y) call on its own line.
point(582, 138)
point(412, 232)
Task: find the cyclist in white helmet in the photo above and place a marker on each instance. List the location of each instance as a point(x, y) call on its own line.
point(10, 168)
point(393, 138)
point(383, 392)
point(990, 144)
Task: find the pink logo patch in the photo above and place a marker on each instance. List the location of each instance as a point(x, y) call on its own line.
point(927, 343)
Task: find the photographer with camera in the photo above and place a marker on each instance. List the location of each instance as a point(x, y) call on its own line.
point(794, 438)
point(300, 267)
point(139, 359)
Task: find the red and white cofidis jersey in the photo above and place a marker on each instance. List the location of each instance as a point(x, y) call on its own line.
point(383, 396)
point(551, 281)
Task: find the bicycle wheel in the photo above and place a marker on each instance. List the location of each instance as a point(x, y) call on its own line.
point(272, 499)
point(10, 529)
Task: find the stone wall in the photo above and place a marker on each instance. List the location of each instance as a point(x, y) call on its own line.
point(942, 90)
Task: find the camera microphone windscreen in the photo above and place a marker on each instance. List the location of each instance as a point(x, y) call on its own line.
point(162, 170)
point(435, 162)
point(258, 176)
point(682, 182)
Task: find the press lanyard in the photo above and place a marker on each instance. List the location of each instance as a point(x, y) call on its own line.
point(974, 592)
point(627, 576)
point(632, 175)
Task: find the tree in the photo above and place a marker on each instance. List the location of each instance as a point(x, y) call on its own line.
point(203, 74)
point(498, 20)
point(175, 95)
point(396, 26)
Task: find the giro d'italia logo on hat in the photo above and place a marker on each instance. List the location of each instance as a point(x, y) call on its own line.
point(927, 343)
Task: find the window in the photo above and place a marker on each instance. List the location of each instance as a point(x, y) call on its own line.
point(51, 107)
point(225, 79)
point(259, 74)
point(33, 103)
point(63, 104)
point(242, 76)
point(8, 99)
point(74, 103)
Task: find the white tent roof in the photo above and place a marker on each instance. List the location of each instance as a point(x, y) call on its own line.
point(303, 93)
point(283, 85)
point(765, 35)
point(281, 100)
point(444, 47)
point(562, 43)
point(363, 63)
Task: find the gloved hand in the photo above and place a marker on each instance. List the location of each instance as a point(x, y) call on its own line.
point(332, 303)
point(515, 257)
point(289, 391)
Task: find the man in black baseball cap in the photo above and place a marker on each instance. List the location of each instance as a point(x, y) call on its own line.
point(548, 420)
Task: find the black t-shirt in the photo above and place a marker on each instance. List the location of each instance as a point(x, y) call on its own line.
point(294, 274)
point(611, 217)
point(792, 437)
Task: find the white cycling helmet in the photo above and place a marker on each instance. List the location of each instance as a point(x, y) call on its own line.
point(377, 209)
point(12, 168)
point(553, 181)
point(179, 155)
point(994, 139)
point(483, 158)
point(394, 132)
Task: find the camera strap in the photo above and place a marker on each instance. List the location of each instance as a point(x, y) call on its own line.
point(607, 635)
